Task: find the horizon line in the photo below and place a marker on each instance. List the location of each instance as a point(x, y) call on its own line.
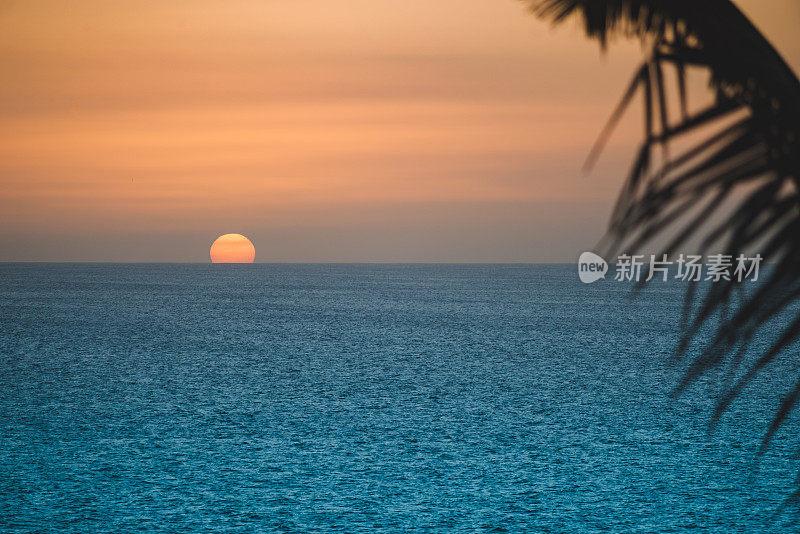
point(376, 262)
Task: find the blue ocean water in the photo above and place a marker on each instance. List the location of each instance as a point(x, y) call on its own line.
point(367, 398)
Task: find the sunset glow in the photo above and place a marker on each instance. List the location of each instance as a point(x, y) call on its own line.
point(339, 131)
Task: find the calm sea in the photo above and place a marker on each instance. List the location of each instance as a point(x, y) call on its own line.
point(366, 398)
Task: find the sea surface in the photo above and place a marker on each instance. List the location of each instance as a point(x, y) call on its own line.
point(368, 399)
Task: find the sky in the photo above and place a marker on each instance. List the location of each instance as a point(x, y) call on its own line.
point(356, 130)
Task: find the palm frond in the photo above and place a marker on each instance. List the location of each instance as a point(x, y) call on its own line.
point(755, 154)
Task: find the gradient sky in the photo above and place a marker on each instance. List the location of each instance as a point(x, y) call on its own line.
point(356, 130)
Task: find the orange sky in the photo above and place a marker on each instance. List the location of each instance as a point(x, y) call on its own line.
point(356, 130)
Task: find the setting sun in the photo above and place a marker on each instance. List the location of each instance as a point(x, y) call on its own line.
point(232, 248)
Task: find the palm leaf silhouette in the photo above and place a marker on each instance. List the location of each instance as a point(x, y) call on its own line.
point(753, 159)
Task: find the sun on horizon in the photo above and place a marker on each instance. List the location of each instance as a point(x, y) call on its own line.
point(232, 248)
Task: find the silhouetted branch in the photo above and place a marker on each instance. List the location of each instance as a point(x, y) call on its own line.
point(756, 156)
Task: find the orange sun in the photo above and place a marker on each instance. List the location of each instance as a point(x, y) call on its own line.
point(232, 248)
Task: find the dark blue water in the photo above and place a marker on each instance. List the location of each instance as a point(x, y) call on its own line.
point(366, 398)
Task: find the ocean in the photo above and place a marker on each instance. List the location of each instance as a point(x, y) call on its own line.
point(368, 398)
